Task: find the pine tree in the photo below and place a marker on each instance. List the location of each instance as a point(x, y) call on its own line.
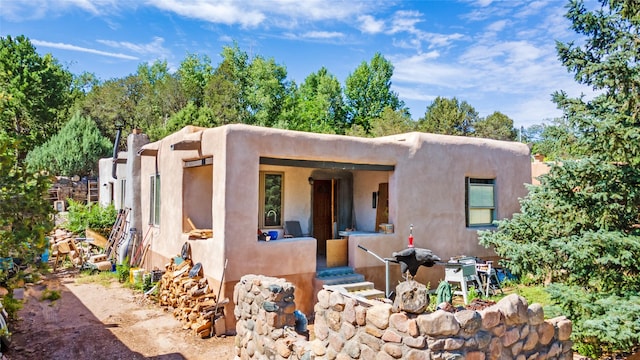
point(580, 228)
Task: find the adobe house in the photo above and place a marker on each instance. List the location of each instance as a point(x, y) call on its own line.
point(236, 179)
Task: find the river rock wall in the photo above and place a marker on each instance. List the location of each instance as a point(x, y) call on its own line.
point(347, 327)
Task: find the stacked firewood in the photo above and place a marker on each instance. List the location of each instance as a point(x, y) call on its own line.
point(200, 234)
point(188, 294)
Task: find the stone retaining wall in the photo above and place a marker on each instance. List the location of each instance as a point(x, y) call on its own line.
point(265, 320)
point(350, 328)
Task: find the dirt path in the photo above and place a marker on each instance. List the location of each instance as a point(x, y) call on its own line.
point(92, 321)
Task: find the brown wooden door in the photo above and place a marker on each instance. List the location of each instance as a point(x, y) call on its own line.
point(382, 211)
point(322, 227)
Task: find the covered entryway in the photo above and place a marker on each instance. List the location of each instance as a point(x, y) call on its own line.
point(323, 213)
point(332, 202)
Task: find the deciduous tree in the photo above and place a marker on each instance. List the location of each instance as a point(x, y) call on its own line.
point(25, 214)
point(319, 106)
point(368, 92)
point(35, 92)
point(392, 122)
point(449, 117)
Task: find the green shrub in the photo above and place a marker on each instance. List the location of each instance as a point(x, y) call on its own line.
point(51, 295)
point(602, 323)
point(11, 305)
point(92, 216)
point(123, 271)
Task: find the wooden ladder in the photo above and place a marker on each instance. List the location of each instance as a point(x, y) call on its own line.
point(93, 192)
point(118, 234)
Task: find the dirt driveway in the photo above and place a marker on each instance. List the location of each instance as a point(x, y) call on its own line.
point(94, 321)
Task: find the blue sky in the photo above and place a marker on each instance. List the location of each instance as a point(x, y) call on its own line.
point(496, 55)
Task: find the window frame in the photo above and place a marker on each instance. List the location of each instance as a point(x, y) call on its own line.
point(154, 199)
point(123, 194)
point(261, 199)
point(471, 183)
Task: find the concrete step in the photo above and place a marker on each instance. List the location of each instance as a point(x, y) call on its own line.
point(341, 279)
point(359, 286)
point(365, 289)
point(370, 294)
point(335, 271)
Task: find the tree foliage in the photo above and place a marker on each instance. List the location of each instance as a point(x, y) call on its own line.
point(368, 92)
point(75, 150)
point(24, 213)
point(580, 228)
point(94, 216)
point(391, 122)
point(318, 105)
point(35, 93)
point(194, 74)
point(496, 126)
point(449, 117)
point(189, 115)
point(267, 91)
point(556, 141)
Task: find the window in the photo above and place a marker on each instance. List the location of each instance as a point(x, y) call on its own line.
point(154, 198)
point(271, 200)
point(123, 188)
point(480, 201)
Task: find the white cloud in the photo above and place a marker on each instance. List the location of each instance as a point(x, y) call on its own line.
point(441, 40)
point(405, 21)
point(223, 12)
point(70, 47)
point(497, 26)
point(531, 8)
point(322, 35)
point(18, 10)
point(155, 48)
point(413, 93)
point(369, 25)
point(422, 70)
point(484, 3)
point(250, 14)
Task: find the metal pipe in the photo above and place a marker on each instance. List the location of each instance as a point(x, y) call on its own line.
point(115, 152)
point(387, 291)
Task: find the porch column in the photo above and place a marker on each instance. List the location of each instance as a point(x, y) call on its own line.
point(135, 141)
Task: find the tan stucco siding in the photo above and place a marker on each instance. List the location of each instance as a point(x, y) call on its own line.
point(426, 189)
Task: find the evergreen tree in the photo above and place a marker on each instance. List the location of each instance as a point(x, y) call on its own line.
point(75, 150)
point(580, 227)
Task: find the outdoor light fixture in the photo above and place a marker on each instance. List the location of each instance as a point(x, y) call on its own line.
point(310, 180)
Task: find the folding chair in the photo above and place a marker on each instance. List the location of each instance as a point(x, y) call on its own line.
point(292, 229)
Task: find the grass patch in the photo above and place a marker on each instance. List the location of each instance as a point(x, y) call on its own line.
point(104, 278)
point(51, 295)
point(11, 305)
point(533, 294)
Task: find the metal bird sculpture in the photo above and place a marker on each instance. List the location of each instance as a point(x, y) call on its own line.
point(410, 259)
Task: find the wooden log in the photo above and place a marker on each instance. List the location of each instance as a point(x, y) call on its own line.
point(219, 326)
point(193, 227)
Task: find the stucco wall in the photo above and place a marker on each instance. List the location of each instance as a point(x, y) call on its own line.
point(538, 168)
point(107, 182)
point(426, 189)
